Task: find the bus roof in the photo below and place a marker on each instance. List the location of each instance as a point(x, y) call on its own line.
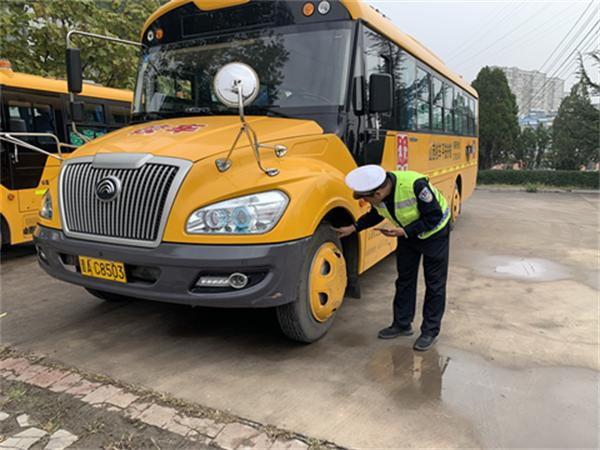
point(358, 9)
point(26, 81)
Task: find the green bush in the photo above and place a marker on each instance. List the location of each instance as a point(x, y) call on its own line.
point(559, 178)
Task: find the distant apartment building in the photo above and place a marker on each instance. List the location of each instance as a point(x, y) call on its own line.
point(534, 90)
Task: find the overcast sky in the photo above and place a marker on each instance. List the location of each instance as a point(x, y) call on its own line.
point(468, 35)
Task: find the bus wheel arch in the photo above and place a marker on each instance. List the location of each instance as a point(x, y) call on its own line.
point(4, 232)
point(456, 200)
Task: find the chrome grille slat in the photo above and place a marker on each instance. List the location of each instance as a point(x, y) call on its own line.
point(153, 207)
point(152, 201)
point(136, 214)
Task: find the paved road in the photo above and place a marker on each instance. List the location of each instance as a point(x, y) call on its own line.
point(516, 366)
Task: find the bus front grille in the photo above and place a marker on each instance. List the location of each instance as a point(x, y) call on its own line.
point(115, 204)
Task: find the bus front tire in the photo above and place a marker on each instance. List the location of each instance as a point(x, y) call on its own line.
point(107, 296)
point(323, 281)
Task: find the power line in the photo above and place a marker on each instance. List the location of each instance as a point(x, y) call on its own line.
point(562, 68)
point(565, 61)
point(555, 18)
point(566, 35)
point(501, 37)
point(566, 48)
point(577, 47)
point(476, 36)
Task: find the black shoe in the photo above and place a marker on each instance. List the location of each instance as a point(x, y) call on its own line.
point(424, 342)
point(393, 332)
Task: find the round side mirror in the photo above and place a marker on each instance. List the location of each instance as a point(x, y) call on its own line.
point(230, 78)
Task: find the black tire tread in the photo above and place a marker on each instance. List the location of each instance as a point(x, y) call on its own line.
point(288, 315)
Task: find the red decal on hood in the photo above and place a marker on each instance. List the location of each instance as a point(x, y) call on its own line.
point(173, 129)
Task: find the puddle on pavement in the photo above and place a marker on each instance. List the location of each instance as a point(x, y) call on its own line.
point(528, 269)
point(539, 407)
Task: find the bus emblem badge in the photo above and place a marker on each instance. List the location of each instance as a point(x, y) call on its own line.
point(108, 188)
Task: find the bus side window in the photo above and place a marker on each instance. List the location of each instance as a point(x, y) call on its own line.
point(119, 116)
point(423, 99)
point(93, 113)
point(19, 117)
point(437, 112)
point(44, 122)
point(448, 108)
point(94, 123)
point(378, 59)
point(37, 118)
point(403, 73)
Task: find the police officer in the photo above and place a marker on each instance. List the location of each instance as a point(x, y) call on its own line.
point(419, 215)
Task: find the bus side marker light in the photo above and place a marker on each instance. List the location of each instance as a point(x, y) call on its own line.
point(159, 34)
point(308, 9)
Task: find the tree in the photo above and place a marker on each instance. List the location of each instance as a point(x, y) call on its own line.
point(575, 131)
point(525, 149)
point(33, 32)
point(585, 78)
point(498, 123)
point(543, 138)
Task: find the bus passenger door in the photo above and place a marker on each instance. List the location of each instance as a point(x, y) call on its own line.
point(375, 139)
point(28, 170)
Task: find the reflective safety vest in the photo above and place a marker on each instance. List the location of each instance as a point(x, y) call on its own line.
point(405, 202)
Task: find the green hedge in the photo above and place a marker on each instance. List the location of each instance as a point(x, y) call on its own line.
point(565, 178)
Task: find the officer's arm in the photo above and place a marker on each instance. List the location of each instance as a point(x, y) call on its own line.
point(368, 220)
point(429, 209)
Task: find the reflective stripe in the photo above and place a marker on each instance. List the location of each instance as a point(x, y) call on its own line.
point(405, 203)
point(439, 225)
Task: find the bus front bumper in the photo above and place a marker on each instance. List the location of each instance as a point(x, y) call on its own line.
point(170, 272)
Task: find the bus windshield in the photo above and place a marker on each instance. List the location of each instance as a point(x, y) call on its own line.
point(299, 67)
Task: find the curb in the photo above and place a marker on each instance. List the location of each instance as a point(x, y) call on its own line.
point(195, 423)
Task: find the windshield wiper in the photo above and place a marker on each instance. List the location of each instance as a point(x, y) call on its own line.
point(199, 110)
point(266, 109)
point(188, 112)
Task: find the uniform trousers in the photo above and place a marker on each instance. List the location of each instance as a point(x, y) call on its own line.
point(435, 253)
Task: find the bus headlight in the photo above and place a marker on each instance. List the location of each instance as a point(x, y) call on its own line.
point(256, 213)
point(46, 209)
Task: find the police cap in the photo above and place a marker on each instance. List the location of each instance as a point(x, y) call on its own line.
point(365, 180)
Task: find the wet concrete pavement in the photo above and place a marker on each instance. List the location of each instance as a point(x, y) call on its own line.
point(516, 365)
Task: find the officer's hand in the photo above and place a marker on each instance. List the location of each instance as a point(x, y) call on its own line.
point(345, 231)
point(392, 232)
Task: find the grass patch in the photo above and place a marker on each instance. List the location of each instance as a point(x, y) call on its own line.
point(530, 187)
point(15, 393)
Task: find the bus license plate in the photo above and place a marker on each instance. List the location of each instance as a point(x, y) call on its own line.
point(101, 268)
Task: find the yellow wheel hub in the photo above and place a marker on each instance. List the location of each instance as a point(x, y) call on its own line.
point(327, 282)
point(455, 204)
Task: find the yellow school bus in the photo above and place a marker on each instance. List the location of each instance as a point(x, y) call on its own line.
point(34, 113)
point(247, 116)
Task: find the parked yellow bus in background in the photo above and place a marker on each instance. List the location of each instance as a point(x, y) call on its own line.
point(33, 104)
point(247, 116)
